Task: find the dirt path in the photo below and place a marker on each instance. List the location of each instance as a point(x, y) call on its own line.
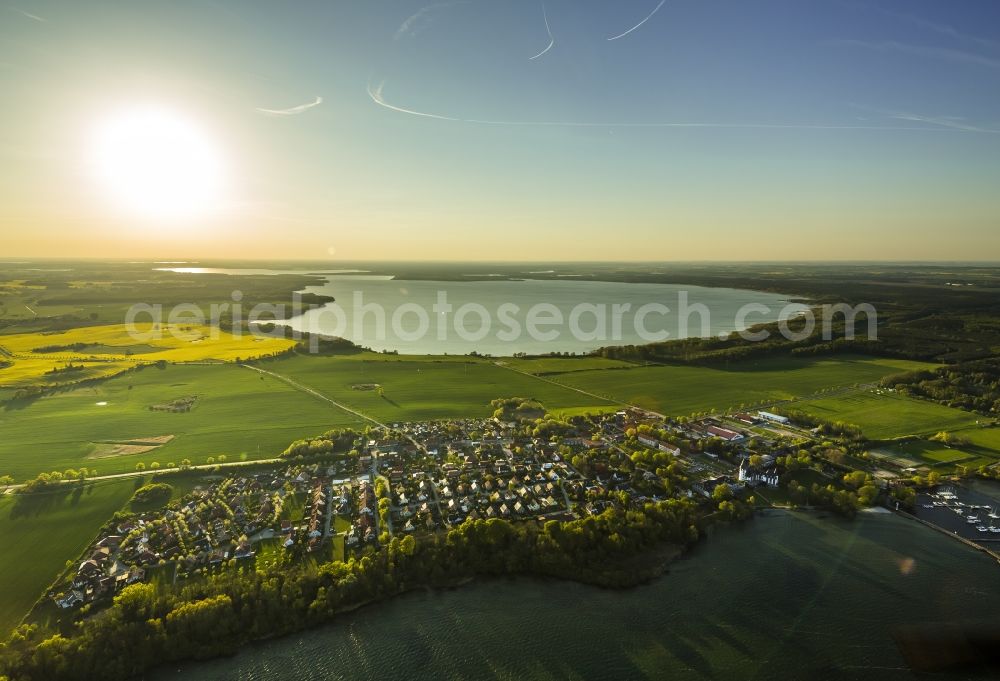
point(602, 398)
point(315, 393)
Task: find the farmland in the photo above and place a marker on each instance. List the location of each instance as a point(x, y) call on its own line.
point(682, 390)
point(207, 410)
point(236, 412)
point(41, 532)
point(98, 351)
point(422, 388)
point(558, 365)
point(883, 416)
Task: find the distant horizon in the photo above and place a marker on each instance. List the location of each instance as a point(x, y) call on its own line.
point(339, 264)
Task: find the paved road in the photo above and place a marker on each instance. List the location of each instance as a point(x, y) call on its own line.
point(137, 474)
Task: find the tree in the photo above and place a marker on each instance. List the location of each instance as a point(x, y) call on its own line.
point(722, 492)
point(140, 466)
point(136, 601)
point(155, 466)
point(867, 494)
point(855, 479)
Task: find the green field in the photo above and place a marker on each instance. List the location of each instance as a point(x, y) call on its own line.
point(420, 389)
point(238, 413)
point(43, 531)
point(883, 416)
point(683, 390)
point(557, 365)
point(924, 452)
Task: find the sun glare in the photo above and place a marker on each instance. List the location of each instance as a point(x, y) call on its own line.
point(158, 164)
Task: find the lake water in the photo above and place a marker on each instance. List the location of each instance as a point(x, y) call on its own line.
point(785, 596)
point(500, 317)
point(531, 316)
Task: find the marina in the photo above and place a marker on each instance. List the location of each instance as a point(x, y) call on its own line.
point(961, 511)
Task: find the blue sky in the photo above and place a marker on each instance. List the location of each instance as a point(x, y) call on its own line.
point(760, 129)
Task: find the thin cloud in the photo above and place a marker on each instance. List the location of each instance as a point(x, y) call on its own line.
point(942, 29)
point(418, 21)
point(376, 93)
point(943, 53)
point(552, 40)
point(951, 122)
point(291, 111)
point(29, 15)
point(648, 17)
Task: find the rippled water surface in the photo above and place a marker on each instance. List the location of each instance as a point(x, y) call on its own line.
point(786, 596)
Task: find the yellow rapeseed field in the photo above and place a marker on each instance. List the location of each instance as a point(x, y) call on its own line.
point(98, 351)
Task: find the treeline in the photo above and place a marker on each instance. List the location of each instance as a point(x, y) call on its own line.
point(44, 482)
point(841, 501)
point(517, 409)
point(154, 493)
point(974, 386)
point(840, 429)
point(68, 369)
point(75, 347)
point(734, 348)
point(145, 627)
point(327, 443)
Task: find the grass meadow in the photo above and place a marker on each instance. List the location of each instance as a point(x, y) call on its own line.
point(884, 416)
point(42, 532)
point(559, 365)
point(683, 390)
point(236, 412)
point(419, 389)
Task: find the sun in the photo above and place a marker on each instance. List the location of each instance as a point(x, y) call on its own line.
point(157, 163)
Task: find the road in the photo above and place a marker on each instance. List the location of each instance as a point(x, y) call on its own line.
point(137, 474)
point(329, 510)
point(295, 384)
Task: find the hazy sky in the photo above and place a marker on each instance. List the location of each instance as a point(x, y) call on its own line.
point(509, 129)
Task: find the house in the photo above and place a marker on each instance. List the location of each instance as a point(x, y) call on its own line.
point(724, 433)
point(70, 600)
point(112, 541)
point(774, 418)
point(756, 476)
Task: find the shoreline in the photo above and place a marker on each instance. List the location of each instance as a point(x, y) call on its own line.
point(663, 557)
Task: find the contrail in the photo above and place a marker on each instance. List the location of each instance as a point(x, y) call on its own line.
point(552, 40)
point(375, 93)
point(291, 111)
point(29, 15)
point(622, 35)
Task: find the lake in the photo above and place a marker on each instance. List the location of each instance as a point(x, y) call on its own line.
point(529, 316)
point(785, 596)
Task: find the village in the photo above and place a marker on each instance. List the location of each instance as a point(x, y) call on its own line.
point(419, 478)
